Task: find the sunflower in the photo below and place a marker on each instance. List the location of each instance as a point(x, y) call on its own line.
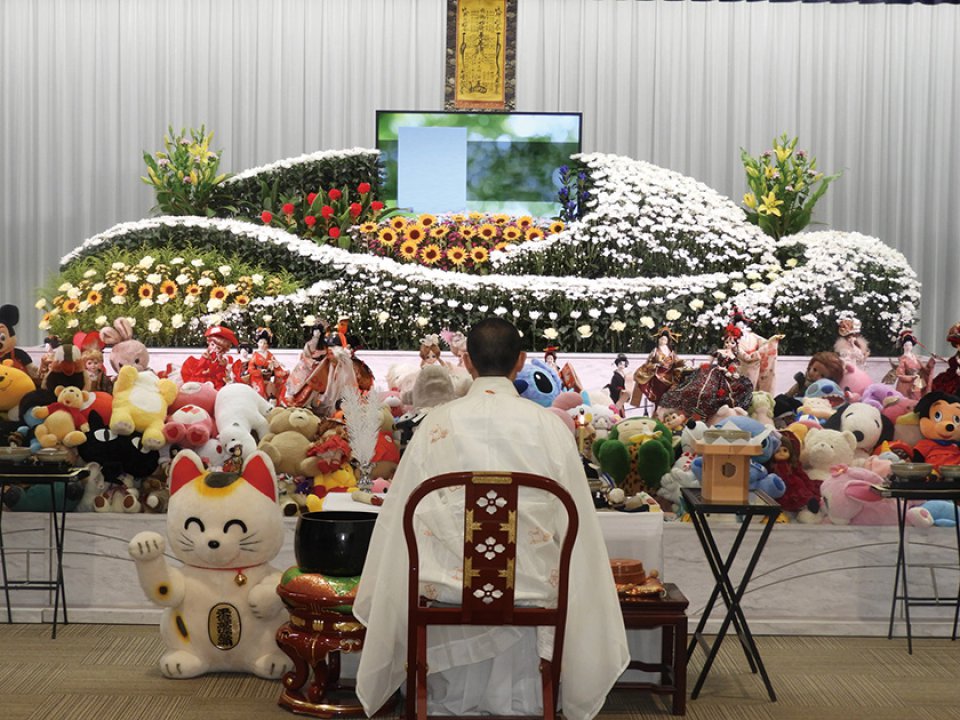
point(457, 254)
point(408, 251)
point(534, 233)
point(145, 291)
point(193, 290)
point(70, 306)
point(241, 300)
point(488, 231)
point(415, 234)
point(398, 222)
point(430, 254)
point(525, 222)
point(368, 228)
point(94, 297)
point(500, 218)
point(219, 293)
point(479, 254)
point(120, 289)
point(468, 231)
point(500, 246)
point(387, 237)
point(440, 231)
point(457, 218)
point(475, 216)
point(428, 221)
point(512, 233)
point(169, 288)
point(556, 227)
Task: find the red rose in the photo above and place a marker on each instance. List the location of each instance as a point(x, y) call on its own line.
point(376, 206)
point(334, 232)
point(287, 208)
point(355, 209)
point(310, 221)
point(326, 211)
point(335, 194)
point(363, 188)
point(310, 198)
point(267, 217)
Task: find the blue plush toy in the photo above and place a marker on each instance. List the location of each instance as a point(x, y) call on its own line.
point(769, 439)
point(539, 382)
point(933, 512)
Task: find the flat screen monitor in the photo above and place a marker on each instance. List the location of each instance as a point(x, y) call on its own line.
point(438, 162)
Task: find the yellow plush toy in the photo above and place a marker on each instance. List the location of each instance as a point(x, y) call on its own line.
point(140, 402)
point(328, 463)
point(64, 422)
point(14, 384)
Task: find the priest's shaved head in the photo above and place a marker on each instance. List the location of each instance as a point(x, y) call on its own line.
point(494, 348)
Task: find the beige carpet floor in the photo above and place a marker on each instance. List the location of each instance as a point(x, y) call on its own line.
point(109, 672)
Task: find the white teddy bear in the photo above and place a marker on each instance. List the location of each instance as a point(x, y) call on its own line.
point(822, 449)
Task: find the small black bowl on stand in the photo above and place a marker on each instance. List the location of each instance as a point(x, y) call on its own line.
point(333, 543)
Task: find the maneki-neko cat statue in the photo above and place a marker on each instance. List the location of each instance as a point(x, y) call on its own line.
point(222, 608)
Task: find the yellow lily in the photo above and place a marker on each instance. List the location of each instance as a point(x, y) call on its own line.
point(752, 171)
point(770, 205)
point(769, 171)
point(783, 152)
point(750, 200)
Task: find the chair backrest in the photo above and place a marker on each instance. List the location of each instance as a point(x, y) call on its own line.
point(490, 553)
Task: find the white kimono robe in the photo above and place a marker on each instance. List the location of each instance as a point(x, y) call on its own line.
point(491, 670)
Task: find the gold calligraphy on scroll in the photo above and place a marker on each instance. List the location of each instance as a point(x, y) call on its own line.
point(480, 38)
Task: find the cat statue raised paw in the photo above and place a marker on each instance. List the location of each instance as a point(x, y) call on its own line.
point(222, 608)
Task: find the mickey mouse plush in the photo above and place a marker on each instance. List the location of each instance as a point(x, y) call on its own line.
point(10, 316)
point(939, 415)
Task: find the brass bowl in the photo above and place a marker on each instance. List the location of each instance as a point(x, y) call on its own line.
point(53, 456)
point(911, 471)
point(13, 454)
point(950, 472)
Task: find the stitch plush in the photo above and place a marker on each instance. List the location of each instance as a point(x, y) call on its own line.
point(222, 608)
point(539, 382)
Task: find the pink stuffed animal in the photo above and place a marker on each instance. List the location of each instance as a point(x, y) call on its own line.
point(190, 426)
point(888, 401)
point(849, 499)
point(855, 382)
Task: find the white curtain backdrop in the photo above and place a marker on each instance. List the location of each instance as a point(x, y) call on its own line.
point(87, 85)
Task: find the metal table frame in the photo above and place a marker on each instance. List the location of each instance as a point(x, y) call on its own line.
point(59, 521)
point(903, 497)
point(763, 507)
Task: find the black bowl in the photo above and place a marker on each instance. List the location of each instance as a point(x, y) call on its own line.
point(333, 543)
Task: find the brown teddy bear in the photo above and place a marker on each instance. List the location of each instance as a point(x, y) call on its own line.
point(292, 430)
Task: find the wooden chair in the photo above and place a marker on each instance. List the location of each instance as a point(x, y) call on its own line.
point(490, 511)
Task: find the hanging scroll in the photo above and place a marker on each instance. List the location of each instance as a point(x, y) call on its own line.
point(481, 52)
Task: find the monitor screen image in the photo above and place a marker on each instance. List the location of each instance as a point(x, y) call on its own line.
point(438, 162)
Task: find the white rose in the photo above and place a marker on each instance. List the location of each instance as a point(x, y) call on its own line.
point(177, 321)
point(90, 273)
point(422, 321)
point(551, 334)
point(197, 262)
point(618, 326)
point(118, 300)
point(100, 320)
point(72, 323)
point(214, 304)
point(146, 302)
point(40, 304)
point(672, 314)
point(205, 282)
point(154, 325)
point(225, 270)
point(647, 322)
point(154, 279)
point(585, 331)
point(696, 304)
point(146, 262)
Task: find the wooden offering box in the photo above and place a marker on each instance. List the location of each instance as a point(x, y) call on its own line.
point(726, 471)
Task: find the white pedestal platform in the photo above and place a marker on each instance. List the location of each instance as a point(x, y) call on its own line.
point(811, 580)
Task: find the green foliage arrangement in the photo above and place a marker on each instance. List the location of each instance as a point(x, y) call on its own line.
point(785, 185)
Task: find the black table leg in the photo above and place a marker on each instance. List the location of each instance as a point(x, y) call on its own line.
point(3, 559)
point(59, 530)
point(716, 563)
point(956, 611)
point(896, 574)
point(732, 597)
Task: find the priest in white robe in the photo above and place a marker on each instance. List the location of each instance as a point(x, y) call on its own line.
point(491, 670)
